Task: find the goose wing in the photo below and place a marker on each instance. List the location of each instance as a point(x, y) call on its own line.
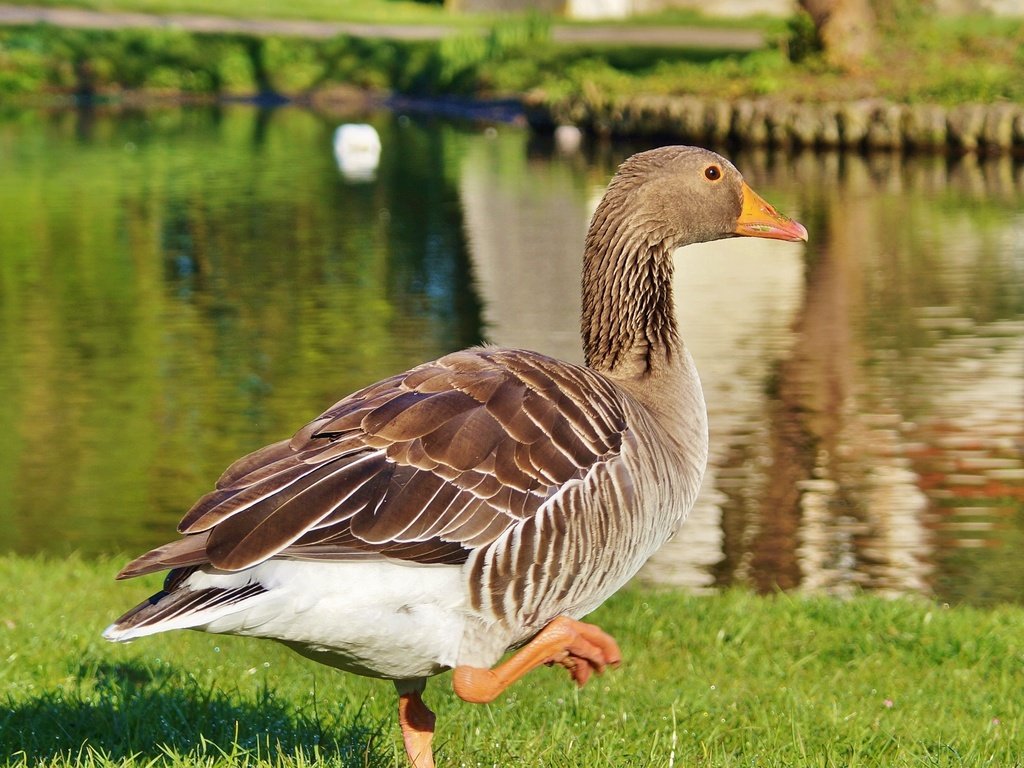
point(424, 466)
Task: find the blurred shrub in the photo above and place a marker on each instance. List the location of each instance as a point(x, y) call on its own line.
point(469, 62)
point(22, 71)
point(43, 58)
point(236, 72)
point(802, 39)
point(292, 65)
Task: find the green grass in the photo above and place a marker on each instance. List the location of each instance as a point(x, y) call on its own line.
point(729, 680)
point(919, 59)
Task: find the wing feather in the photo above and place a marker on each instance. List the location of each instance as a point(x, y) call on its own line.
point(217, 506)
point(399, 508)
point(255, 464)
point(424, 466)
point(264, 529)
point(415, 414)
point(465, 440)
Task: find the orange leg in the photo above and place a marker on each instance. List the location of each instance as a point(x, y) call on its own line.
point(580, 648)
point(417, 723)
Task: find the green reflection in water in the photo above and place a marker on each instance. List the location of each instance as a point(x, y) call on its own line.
point(180, 287)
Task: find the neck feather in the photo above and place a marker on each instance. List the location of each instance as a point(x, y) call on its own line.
point(628, 319)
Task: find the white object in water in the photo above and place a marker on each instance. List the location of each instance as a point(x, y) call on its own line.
point(568, 139)
point(357, 151)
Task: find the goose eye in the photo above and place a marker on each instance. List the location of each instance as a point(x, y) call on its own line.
point(712, 173)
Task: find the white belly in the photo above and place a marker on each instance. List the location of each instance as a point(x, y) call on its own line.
point(376, 618)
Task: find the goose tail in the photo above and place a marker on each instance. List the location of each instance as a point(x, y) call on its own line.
point(180, 605)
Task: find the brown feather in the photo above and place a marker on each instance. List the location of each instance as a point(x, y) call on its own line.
point(433, 551)
point(385, 521)
point(465, 440)
point(418, 493)
point(480, 386)
point(507, 470)
point(465, 507)
point(506, 405)
point(414, 414)
point(459, 450)
point(190, 550)
point(217, 506)
point(266, 456)
point(305, 437)
point(413, 454)
point(427, 526)
point(427, 378)
point(268, 527)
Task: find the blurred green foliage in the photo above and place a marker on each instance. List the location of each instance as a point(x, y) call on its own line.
point(802, 39)
point(43, 58)
point(920, 58)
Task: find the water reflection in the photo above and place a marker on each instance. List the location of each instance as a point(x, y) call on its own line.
point(178, 287)
point(823, 466)
point(526, 218)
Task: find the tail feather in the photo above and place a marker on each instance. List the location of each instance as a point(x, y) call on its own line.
point(179, 608)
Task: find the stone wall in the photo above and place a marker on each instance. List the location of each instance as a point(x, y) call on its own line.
point(869, 124)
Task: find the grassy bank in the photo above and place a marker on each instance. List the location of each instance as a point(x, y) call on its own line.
point(921, 59)
point(46, 61)
point(730, 680)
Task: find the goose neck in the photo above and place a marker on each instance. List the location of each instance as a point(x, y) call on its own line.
point(628, 319)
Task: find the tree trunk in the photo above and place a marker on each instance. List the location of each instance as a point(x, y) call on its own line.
point(846, 29)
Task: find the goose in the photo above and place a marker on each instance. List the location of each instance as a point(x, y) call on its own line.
point(485, 501)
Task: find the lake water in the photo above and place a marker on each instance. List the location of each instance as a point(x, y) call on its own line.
point(181, 286)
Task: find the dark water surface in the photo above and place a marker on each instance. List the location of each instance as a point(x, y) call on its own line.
point(179, 287)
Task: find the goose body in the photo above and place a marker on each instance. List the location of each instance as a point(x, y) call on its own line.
point(519, 453)
point(484, 501)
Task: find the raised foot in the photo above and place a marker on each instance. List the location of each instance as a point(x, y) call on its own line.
point(581, 648)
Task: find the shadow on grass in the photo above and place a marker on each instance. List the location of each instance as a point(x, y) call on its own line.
point(136, 711)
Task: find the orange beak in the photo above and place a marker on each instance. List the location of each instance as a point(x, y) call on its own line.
point(759, 219)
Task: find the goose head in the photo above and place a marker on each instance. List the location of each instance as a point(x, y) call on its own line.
point(658, 201)
point(675, 196)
